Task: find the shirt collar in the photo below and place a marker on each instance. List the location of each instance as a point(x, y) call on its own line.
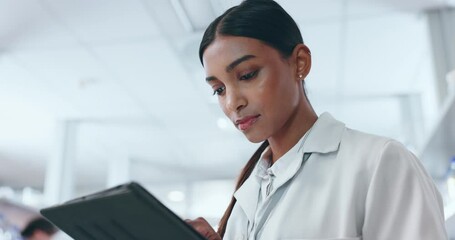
point(283, 169)
point(263, 164)
point(285, 165)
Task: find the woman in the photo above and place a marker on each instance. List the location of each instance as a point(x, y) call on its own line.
point(312, 178)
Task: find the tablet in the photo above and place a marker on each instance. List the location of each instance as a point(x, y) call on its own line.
point(124, 212)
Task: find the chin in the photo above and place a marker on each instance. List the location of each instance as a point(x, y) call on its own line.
point(254, 138)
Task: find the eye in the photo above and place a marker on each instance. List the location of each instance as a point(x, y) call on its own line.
point(219, 91)
point(249, 75)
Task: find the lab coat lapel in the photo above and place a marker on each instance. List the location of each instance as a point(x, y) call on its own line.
point(247, 197)
point(325, 135)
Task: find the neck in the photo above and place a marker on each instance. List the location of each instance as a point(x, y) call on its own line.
point(293, 130)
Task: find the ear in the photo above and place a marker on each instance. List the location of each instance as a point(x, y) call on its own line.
point(302, 60)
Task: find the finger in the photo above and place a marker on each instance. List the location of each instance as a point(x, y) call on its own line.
point(203, 227)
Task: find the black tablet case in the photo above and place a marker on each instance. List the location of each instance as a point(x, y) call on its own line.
point(126, 212)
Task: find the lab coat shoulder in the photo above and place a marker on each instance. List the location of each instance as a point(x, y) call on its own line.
point(402, 201)
point(359, 155)
point(362, 148)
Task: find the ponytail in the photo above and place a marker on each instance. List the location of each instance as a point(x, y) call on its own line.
point(246, 172)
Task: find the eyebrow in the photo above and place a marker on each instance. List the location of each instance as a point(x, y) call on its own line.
point(238, 61)
point(232, 65)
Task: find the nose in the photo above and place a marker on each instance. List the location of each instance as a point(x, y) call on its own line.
point(235, 100)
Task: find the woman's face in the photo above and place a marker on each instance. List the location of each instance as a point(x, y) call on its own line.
point(257, 88)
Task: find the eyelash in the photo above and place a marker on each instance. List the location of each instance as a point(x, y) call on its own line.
point(219, 91)
point(247, 76)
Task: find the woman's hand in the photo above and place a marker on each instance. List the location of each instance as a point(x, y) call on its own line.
point(204, 228)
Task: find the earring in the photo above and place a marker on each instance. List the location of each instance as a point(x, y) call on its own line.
point(300, 76)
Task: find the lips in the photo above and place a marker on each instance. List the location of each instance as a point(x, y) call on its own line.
point(246, 122)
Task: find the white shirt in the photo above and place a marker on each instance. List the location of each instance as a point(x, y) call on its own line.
point(354, 186)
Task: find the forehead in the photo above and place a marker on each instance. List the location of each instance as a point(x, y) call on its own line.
point(226, 49)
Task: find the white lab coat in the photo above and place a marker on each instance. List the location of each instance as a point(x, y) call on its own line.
point(353, 186)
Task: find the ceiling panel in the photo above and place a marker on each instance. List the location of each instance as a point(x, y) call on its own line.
point(219, 6)
point(103, 21)
point(374, 58)
point(402, 5)
point(321, 11)
point(17, 82)
point(79, 79)
point(154, 75)
point(25, 24)
point(199, 15)
point(166, 18)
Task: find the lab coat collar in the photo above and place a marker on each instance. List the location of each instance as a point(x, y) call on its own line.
point(325, 135)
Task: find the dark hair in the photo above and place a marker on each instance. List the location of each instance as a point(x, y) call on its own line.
point(264, 20)
point(39, 224)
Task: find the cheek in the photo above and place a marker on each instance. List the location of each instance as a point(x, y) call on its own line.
point(271, 91)
point(280, 95)
point(222, 105)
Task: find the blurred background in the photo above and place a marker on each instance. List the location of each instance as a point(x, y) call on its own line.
point(98, 93)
